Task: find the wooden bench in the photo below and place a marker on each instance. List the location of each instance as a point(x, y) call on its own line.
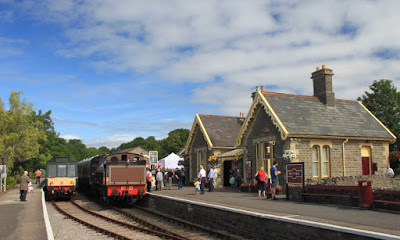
point(387, 202)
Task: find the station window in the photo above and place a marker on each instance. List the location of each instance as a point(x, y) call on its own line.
point(325, 162)
point(267, 155)
point(257, 157)
point(320, 161)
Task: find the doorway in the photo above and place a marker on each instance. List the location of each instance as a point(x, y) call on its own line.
point(227, 172)
point(366, 161)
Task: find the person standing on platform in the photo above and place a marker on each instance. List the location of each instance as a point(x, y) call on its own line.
point(23, 188)
point(215, 177)
point(170, 175)
point(202, 178)
point(262, 176)
point(183, 175)
point(159, 179)
point(389, 171)
point(149, 178)
point(179, 178)
point(211, 179)
point(38, 174)
point(274, 178)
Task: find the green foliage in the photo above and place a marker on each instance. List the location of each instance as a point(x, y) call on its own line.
point(20, 135)
point(28, 140)
point(384, 103)
point(175, 141)
point(11, 182)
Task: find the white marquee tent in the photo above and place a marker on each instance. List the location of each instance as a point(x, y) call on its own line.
point(171, 161)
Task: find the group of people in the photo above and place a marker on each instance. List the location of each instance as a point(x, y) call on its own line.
point(262, 177)
point(235, 178)
point(203, 178)
point(163, 178)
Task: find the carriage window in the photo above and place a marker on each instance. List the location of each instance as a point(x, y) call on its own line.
point(52, 171)
point(62, 171)
point(71, 171)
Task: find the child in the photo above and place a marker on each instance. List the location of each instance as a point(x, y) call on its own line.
point(30, 188)
point(232, 181)
point(197, 186)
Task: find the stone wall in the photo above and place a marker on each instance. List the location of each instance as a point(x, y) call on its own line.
point(198, 144)
point(378, 181)
point(247, 224)
point(262, 130)
point(353, 163)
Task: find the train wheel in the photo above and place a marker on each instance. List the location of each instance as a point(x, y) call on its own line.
point(47, 197)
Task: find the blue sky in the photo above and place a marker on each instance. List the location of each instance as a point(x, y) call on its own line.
point(111, 71)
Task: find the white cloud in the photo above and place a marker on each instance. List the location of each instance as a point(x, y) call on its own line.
point(246, 44)
point(69, 137)
point(112, 141)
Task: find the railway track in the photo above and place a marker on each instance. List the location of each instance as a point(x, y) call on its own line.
point(134, 221)
point(118, 226)
point(187, 228)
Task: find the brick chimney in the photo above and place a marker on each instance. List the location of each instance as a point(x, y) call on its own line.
point(253, 94)
point(322, 80)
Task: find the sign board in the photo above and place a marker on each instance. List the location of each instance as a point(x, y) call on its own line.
point(248, 170)
point(295, 173)
point(3, 171)
point(153, 157)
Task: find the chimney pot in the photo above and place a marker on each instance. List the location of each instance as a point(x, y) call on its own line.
point(324, 66)
point(257, 88)
point(319, 68)
point(262, 88)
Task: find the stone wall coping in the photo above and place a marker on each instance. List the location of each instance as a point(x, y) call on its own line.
point(326, 226)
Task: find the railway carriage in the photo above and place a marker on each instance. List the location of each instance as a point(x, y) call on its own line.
point(61, 178)
point(113, 178)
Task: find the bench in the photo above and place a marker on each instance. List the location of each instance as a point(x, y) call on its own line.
point(387, 202)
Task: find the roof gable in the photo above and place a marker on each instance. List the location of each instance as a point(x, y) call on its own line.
point(296, 115)
point(218, 131)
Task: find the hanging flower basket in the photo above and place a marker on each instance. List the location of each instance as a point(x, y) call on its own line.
point(289, 154)
point(213, 160)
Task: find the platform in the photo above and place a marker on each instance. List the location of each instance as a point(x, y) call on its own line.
point(22, 220)
point(346, 217)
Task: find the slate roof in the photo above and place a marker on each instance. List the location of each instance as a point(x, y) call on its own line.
point(305, 115)
point(222, 130)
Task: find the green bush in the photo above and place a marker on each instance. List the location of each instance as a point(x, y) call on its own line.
point(11, 182)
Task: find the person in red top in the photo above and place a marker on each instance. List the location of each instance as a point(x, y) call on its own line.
point(261, 182)
point(38, 174)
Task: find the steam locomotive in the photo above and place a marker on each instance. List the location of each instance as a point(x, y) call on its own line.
point(113, 178)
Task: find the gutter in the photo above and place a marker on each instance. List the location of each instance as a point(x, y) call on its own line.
point(344, 157)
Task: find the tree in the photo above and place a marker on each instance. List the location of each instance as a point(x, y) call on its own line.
point(20, 135)
point(176, 140)
point(384, 103)
point(103, 150)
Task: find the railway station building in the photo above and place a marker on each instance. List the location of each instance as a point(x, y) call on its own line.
point(212, 142)
point(333, 137)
